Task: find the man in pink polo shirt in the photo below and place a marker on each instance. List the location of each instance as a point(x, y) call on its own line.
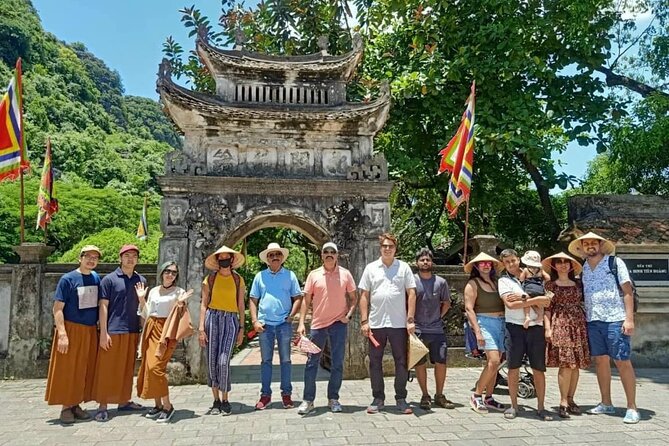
point(332, 291)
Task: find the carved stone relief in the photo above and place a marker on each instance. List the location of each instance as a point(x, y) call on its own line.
point(379, 215)
point(336, 162)
point(261, 159)
point(180, 163)
point(346, 224)
point(300, 162)
point(207, 217)
point(373, 169)
point(222, 160)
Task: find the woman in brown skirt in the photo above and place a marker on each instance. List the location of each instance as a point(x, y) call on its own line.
point(152, 376)
point(565, 328)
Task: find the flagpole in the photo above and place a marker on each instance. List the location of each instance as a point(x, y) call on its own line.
point(464, 255)
point(19, 85)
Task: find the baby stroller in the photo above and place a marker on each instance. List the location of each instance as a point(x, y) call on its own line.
point(526, 387)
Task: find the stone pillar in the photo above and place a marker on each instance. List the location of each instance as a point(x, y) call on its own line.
point(484, 243)
point(26, 340)
point(33, 252)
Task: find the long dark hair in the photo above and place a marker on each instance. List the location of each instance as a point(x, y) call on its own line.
point(476, 274)
point(163, 267)
point(554, 274)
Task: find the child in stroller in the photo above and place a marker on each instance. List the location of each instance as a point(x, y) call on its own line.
point(526, 388)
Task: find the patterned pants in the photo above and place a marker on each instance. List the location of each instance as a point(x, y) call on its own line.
point(221, 328)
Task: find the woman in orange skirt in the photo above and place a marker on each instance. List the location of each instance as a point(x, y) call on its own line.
point(152, 376)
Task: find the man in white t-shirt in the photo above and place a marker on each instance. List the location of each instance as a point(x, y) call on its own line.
point(387, 310)
point(521, 341)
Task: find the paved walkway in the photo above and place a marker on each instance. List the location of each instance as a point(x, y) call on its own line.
point(26, 419)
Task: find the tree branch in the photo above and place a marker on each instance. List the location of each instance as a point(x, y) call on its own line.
point(544, 193)
point(619, 80)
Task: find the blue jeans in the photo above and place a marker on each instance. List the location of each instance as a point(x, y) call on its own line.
point(282, 333)
point(337, 335)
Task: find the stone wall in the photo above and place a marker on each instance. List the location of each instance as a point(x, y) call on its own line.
point(639, 226)
point(26, 328)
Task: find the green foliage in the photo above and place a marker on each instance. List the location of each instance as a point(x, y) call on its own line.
point(110, 242)
point(108, 149)
point(84, 211)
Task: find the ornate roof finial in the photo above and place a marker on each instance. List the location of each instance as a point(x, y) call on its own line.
point(357, 42)
point(164, 74)
point(240, 39)
point(323, 44)
point(203, 33)
point(164, 70)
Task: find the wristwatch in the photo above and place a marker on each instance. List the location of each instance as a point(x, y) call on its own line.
point(524, 297)
point(410, 320)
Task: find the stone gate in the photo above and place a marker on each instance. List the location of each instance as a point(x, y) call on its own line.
point(277, 144)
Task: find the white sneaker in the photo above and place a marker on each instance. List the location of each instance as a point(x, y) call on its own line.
point(305, 407)
point(602, 408)
point(335, 406)
point(631, 416)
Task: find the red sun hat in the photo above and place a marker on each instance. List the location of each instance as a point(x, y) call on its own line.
point(126, 248)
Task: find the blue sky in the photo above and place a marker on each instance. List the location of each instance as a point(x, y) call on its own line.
point(128, 35)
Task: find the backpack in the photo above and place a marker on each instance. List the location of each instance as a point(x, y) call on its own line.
point(212, 278)
point(613, 267)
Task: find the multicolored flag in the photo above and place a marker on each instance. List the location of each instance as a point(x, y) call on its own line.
point(47, 203)
point(458, 158)
point(143, 228)
point(13, 154)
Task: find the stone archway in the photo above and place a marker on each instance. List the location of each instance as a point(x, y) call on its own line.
point(314, 232)
point(277, 144)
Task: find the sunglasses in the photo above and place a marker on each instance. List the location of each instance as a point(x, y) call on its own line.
point(485, 264)
point(271, 255)
point(562, 261)
point(329, 251)
point(171, 271)
point(387, 246)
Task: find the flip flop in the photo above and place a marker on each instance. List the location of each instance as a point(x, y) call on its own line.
point(544, 415)
point(510, 413)
point(102, 415)
point(130, 407)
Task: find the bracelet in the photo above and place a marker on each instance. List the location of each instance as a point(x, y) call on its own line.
point(363, 322)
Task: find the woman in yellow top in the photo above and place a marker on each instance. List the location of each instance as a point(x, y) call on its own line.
point(221, 321)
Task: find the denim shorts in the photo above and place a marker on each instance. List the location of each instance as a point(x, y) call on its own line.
point(492, 330)
point(607, 339)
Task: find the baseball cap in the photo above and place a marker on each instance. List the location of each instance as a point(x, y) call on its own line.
point(89, 248)
point(329, 245)
point(127, 248)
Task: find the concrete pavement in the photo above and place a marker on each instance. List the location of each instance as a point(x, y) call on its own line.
point(25, 419)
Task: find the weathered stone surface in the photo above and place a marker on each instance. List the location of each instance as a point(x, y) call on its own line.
point(277, 145)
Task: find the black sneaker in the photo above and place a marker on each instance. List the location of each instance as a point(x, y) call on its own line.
point(165, 416)
point(226, 408)
point(215, 409)
point(154, 413)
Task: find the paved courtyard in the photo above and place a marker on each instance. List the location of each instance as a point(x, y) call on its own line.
point(26, 419)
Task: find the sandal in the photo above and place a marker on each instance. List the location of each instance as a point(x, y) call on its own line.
point(563, 412)
point(102, 415)
point(573, 408)
point(544, 415)
point(510, 413)
point(131, 406)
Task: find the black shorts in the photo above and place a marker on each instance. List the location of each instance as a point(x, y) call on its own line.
point(520, 342)
point(436, 343)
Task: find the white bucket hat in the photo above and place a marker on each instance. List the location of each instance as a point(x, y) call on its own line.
point(271, 248)
point(531, 258)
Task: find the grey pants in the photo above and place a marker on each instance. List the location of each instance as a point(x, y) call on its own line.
point(398, 338)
